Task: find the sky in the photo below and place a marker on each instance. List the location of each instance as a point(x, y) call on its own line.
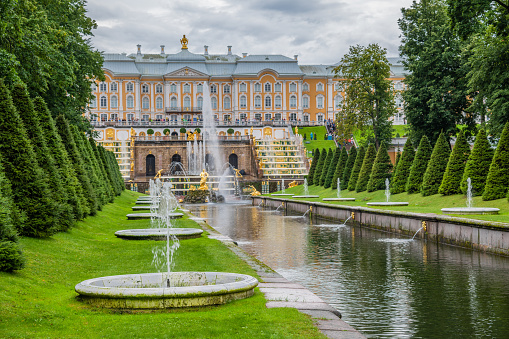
point(318, 31)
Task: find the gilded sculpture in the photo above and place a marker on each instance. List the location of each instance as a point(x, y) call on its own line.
point(203, 181)
point(184, 42)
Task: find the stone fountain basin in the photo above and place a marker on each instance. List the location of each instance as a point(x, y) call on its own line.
point(281, 194)
point(385, 203)
point(151, 291)
point(138, 216)
point(159, 233)
point(338, 199)
point(141, 208)
point(306, 196)
point(470, 210)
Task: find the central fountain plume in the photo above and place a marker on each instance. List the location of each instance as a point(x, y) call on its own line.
point(338, 194)
point(387, 194)
point(470, 209)
point(306, 191)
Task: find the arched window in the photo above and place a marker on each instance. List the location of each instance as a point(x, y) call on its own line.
point(293, 101)
point(277, 101)
point(159, 102)
point(104, 101)
point(144, 88)
point(129, 87)
point(113, 86)
point(242, 87)
point(319, 117)
point(226, 89)
point(130, 102)
point(213, 89)
point(319, 101)
point(200, 102)
point(243, 101)
point(199, 88)
point(293, 87)
point(93, 101)
point(173, 88)
point(305, 102)
point(213, 102)
point(258, 87)
point(187, 102)
point(102, 87)
point(93, 87)
point(268, 102)
point(145, 103)
point(338, 99)
point(306, 117)
point(268, 87)
point(258, 101)
point(187, 88)
point(159, 88)
point(173, 102)
point(227, 103)
point(293, 116)
point(319, 87)
point(277, 87)
point(114, 101)
point(305, 87)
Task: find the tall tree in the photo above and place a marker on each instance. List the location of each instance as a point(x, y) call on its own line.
point(437, 93)
point(319, 168)
point(340, 167)
point(367, 166)
point(478, 165)
point(497, 183)
point(419, 166)
point(332, 168)
point(314, 163)
point(382, 169)
point(347, 172)
point(326, 164)
point(403, 169)
point(352, 182)
point(369, 98)
point(455, 167)
point(436, 167)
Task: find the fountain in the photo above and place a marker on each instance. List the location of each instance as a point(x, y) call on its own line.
point(306, 191)
point(338, 194)
point(387, 198)
point(470, 209)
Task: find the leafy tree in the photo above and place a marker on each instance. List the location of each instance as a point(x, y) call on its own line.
point(314, 163)
point(436, 167)
point(369, 99)
point(352, 182)
point(319, 168)
point(402, 171)
point(230, 131)
point(498, 176)
point(150, 131)
point(347, 172)
point(437, 93)
point(382, 169)
point(101, 187)
point(166, 131)
point(332, 168)
point(419, 166)
point(367, 166)
point(30, 191)
point(455, 167)
point(478, 165)
point(114, 169)
point(326, 165)
point(183, 130)
point(340, 167)
point(398, 158)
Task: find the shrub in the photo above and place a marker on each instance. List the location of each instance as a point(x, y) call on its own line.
point(166, 131)
point(419, 165)
point(230, 131)
point(197, 130)
point(319, 167)
point(340, 167)
point(11, 257)
point(436, 167)
point(398, 157)
point(402, 171)
point(498, 176)
point(455, 167)
point(314, 162)
point(332, 168)
point(367, 166)
point(183, 130)
point(478, 165)
point(382, 169)
point(150, 131)
point(325, 168)
point(356, 169)
point(347, 171)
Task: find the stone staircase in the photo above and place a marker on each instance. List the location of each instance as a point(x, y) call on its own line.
point(281, 159)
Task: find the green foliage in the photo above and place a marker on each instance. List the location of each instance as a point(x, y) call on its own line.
point(340, 168)
point(352, 182)
point(347, 172)
point(369, 98)
point(104, 177)
point(436, 94)
point(101, 187)
point(29, 186)
point(11, 257)
point(183, 130)
point(166, 131)
point(150, 131)
point(112, 169)
point(455, 167)
point(230, 131)
point(326, 165)
point(436, 167)
point(478, 165)
point(197, 130)
point(398, 158)
point(382, 169)
point(402, 171)
point(319, 168)
point(419, 166)
point(314, 163)
point(332, 168)
point(367, 166)
point(498, 177)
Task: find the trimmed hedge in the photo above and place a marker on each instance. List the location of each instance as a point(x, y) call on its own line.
point(382, 169)
point(352, 182)
point(402, 171)
point(332, 169)
point(314, 163)
point(326, 164)
point(455, 167)
point(347, 171)
point(319, 167)
point(436, 167)
point(340, 167)
point(419, 166)
point(498, 176)
point(478, 165)
point(367, 166)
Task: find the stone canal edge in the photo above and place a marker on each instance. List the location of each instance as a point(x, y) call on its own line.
point(281, 292)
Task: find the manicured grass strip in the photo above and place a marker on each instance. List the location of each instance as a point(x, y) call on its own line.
point(39, 301)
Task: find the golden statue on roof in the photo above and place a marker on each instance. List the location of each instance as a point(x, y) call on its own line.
point(184, 42)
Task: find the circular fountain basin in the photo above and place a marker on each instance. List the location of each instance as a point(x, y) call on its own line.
point(471, 210)
point(306, 196)
point(281, 194)
point(159, 233)
point(138, 216)
point(338, 199)
point(385, 203)
point(151, 291)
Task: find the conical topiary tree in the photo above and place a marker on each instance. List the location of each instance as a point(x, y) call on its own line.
point(347, 171)
point(104, 175)
point(352, 182)
point(402, 171)
point(328, 160)
point(436, 167)
point(102, 189)
point(498, 176)
point(340, 167)
point(314, 163)
point(332, 168)
point(398, 158)
point(455, 167)
point(30, 192)
point(367, 166)
point(112, 169)
point(382, 169)
point(419, 166)
point(319, 167)
point(478, 165)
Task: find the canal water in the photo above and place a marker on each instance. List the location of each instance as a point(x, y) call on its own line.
point(384, 285)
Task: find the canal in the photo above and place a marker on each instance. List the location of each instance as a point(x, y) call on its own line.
point(384, 285)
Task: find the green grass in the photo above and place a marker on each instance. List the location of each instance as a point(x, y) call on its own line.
point(319, 142)
point(402, 130)
point(417, 203)
point(40, 302)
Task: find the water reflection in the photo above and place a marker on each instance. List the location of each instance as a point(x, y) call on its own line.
point(384, 286)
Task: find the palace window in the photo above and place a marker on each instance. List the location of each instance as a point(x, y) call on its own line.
point(277, 116)
point(337, 86)
point(199, 88)
point(319, 101)
point(293, 87)
point(213, 103)
point(159, 117)
point(319, 87)
point(102, 87)
point(187, 102)
point(144, 88)
point(293, 116)
point(129, 87)
point(187, 88)
point(130, 101)
point(173, 88)
point(130, 116)
point(200, 102)
point(319, 117)
point(258, 101)
point(159, 103)
point(306, 117)
point(338, 99)
point(159, 88)
point(114, 101)
point(268, 116)
point(242, 116)
point(113, 86)
point(277, 101)
point(305, 102)
point(93, 102)
point(145, 103)
point(242, 87)
point(145, 117)
point(113, 116)
point(226, 89)
point(305, 87)
point(227, 103)
point(258, 87)
point(293, 101)
point(104, 102)
point(173, 102)
point(258, 116)
point(243, 101)
point(213, 89)
point(268, 102)
point(267, 87)
point(277, 87)
point(93, 86)
point(104, 117)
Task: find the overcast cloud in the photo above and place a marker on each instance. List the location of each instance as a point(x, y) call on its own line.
point(319, 31)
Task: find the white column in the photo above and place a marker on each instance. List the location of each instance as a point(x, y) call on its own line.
point(330, 104)
point(235, 105)
point(219, 100)
point(166, 91)
point(299, 100)
point(121, 98)
point(284, 99)
point(137, 98)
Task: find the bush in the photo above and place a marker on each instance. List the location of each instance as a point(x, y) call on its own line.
point(11, 258)
point(478, 165)
point(230, 131)
point(326, 164)
point(402, 171)
point(183, 130)
point(347, 171)
point(352, 182)
point(339, 168)
point(382, 169)
point(498, 176)
point(319, 167)
point(314, 162)
point(455, 167)
point(150, 131)
point(419, 166)
point(436, 167)
point(166, 131)
point(197, 130)
point(367, 166)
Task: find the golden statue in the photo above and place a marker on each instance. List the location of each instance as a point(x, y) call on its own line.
point(133, 133)
point(293, 184)
point(159, 174)
point(237, 173)
point(190, 135)
point(192, 188)
point(251, 131)
point(296, 130)
point(132, 166)
point(255, 192)
point(184, 42)
point(203, 181)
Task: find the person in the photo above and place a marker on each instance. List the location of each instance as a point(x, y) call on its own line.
point(311, 135)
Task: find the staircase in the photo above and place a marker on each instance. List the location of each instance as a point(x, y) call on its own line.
point(281, 159)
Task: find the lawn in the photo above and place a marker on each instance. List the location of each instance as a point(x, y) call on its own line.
point(320, 143)
point(40, 302)
point(417, 203)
